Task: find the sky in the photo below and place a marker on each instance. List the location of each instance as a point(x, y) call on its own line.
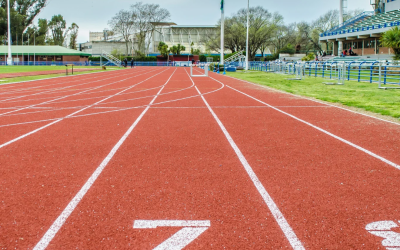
point(93, 15)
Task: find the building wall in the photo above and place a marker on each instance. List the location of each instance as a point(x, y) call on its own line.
point(181, 35)
point(96, 48)
point(393, 5)
point(365, 47)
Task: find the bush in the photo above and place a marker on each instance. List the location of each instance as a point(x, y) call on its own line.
point(308, 57)
point(272, 57)
point(288, 49)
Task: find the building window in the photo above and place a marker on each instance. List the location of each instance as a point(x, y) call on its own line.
point(370, 44)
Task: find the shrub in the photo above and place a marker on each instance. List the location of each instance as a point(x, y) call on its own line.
point(308, 57)
point(272, 57)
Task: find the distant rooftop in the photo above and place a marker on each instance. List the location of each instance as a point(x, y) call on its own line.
point(42, 50)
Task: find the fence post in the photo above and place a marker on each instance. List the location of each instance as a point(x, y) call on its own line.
point(380, 73)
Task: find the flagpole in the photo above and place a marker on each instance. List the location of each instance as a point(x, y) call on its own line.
point(9, 59)
point(222, 32)
point(247, 37)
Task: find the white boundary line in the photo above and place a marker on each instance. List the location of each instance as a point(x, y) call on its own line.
point(317, 101)
point(59, 222)
point(71, 115)
point(280, 219)
point(12, 90)
point(79, 93)
point(323, 131)
point(57, 90)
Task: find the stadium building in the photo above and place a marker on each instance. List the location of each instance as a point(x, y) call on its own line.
point(362, 33)
point(169, 33)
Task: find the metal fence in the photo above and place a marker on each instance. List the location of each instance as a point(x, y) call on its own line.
point(362, 71)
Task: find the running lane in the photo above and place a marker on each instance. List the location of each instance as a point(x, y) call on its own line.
point(175, 165)
point(43, 171)
point(329, 191)
point(380, 137)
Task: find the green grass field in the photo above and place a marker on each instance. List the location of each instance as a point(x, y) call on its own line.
point(18, 69)
point(362, 95)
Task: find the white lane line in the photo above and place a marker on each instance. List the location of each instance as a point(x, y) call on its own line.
point(306, 98)
point(76, 94)
point(71, 115)
point(280, 219)
point(63, 97)
point(110, 111)
point(105, 74)
point(59, 222)
point(52, 91)
point(323, 131)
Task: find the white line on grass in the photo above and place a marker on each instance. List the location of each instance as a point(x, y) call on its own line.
point(59, 222)
point(324, 131)
point(282, 222)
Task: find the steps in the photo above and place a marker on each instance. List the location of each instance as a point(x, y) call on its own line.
point(111, 59)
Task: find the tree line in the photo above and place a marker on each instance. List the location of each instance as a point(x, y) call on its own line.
point(46, 32)
point(269, 31)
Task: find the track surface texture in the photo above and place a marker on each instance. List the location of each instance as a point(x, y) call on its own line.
point(151, 158)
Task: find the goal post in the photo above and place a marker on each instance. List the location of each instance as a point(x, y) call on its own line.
point(200, 75)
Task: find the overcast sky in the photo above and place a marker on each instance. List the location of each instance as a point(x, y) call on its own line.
point(92, 15)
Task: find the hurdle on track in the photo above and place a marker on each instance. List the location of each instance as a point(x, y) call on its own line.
point(205, 72)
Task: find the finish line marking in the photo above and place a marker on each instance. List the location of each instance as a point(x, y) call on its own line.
point(190, 231)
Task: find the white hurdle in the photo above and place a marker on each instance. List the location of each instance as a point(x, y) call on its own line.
point(205, 71)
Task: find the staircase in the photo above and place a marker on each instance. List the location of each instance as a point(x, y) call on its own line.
point(238, 56)
point(111, 59)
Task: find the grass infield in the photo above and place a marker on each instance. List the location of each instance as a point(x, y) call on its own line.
point(362, 95)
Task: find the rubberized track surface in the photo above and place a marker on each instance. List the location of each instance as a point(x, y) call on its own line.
point(150, 158)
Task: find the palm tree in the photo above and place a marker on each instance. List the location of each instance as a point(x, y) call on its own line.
point(391, 39)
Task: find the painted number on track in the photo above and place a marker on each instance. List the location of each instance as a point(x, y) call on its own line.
point(190, 231)
point(383, 229)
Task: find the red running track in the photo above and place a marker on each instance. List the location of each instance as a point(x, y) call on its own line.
point(150, 158)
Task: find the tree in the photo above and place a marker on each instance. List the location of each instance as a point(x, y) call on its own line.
point(58, 28)
point(177, 49)
point(163, 48)
point(146, 17)
point(391, 39)
point(262, 26)
point(123, 23)
point(22, 12)
point(73, 35)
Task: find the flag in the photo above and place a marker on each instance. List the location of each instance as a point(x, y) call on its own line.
point(222, 5)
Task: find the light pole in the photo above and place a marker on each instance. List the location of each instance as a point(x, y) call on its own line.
point(247, 37)
point(222, 32)
point(23, 32)
point(9, 59)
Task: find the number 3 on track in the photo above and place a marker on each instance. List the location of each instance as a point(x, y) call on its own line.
point(190, 231)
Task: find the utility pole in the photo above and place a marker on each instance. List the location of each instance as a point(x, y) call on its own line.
point(9, 59)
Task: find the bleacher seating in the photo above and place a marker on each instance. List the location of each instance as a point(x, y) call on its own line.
point(367, 22)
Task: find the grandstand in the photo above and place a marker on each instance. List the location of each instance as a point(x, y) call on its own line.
point(362, 33)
